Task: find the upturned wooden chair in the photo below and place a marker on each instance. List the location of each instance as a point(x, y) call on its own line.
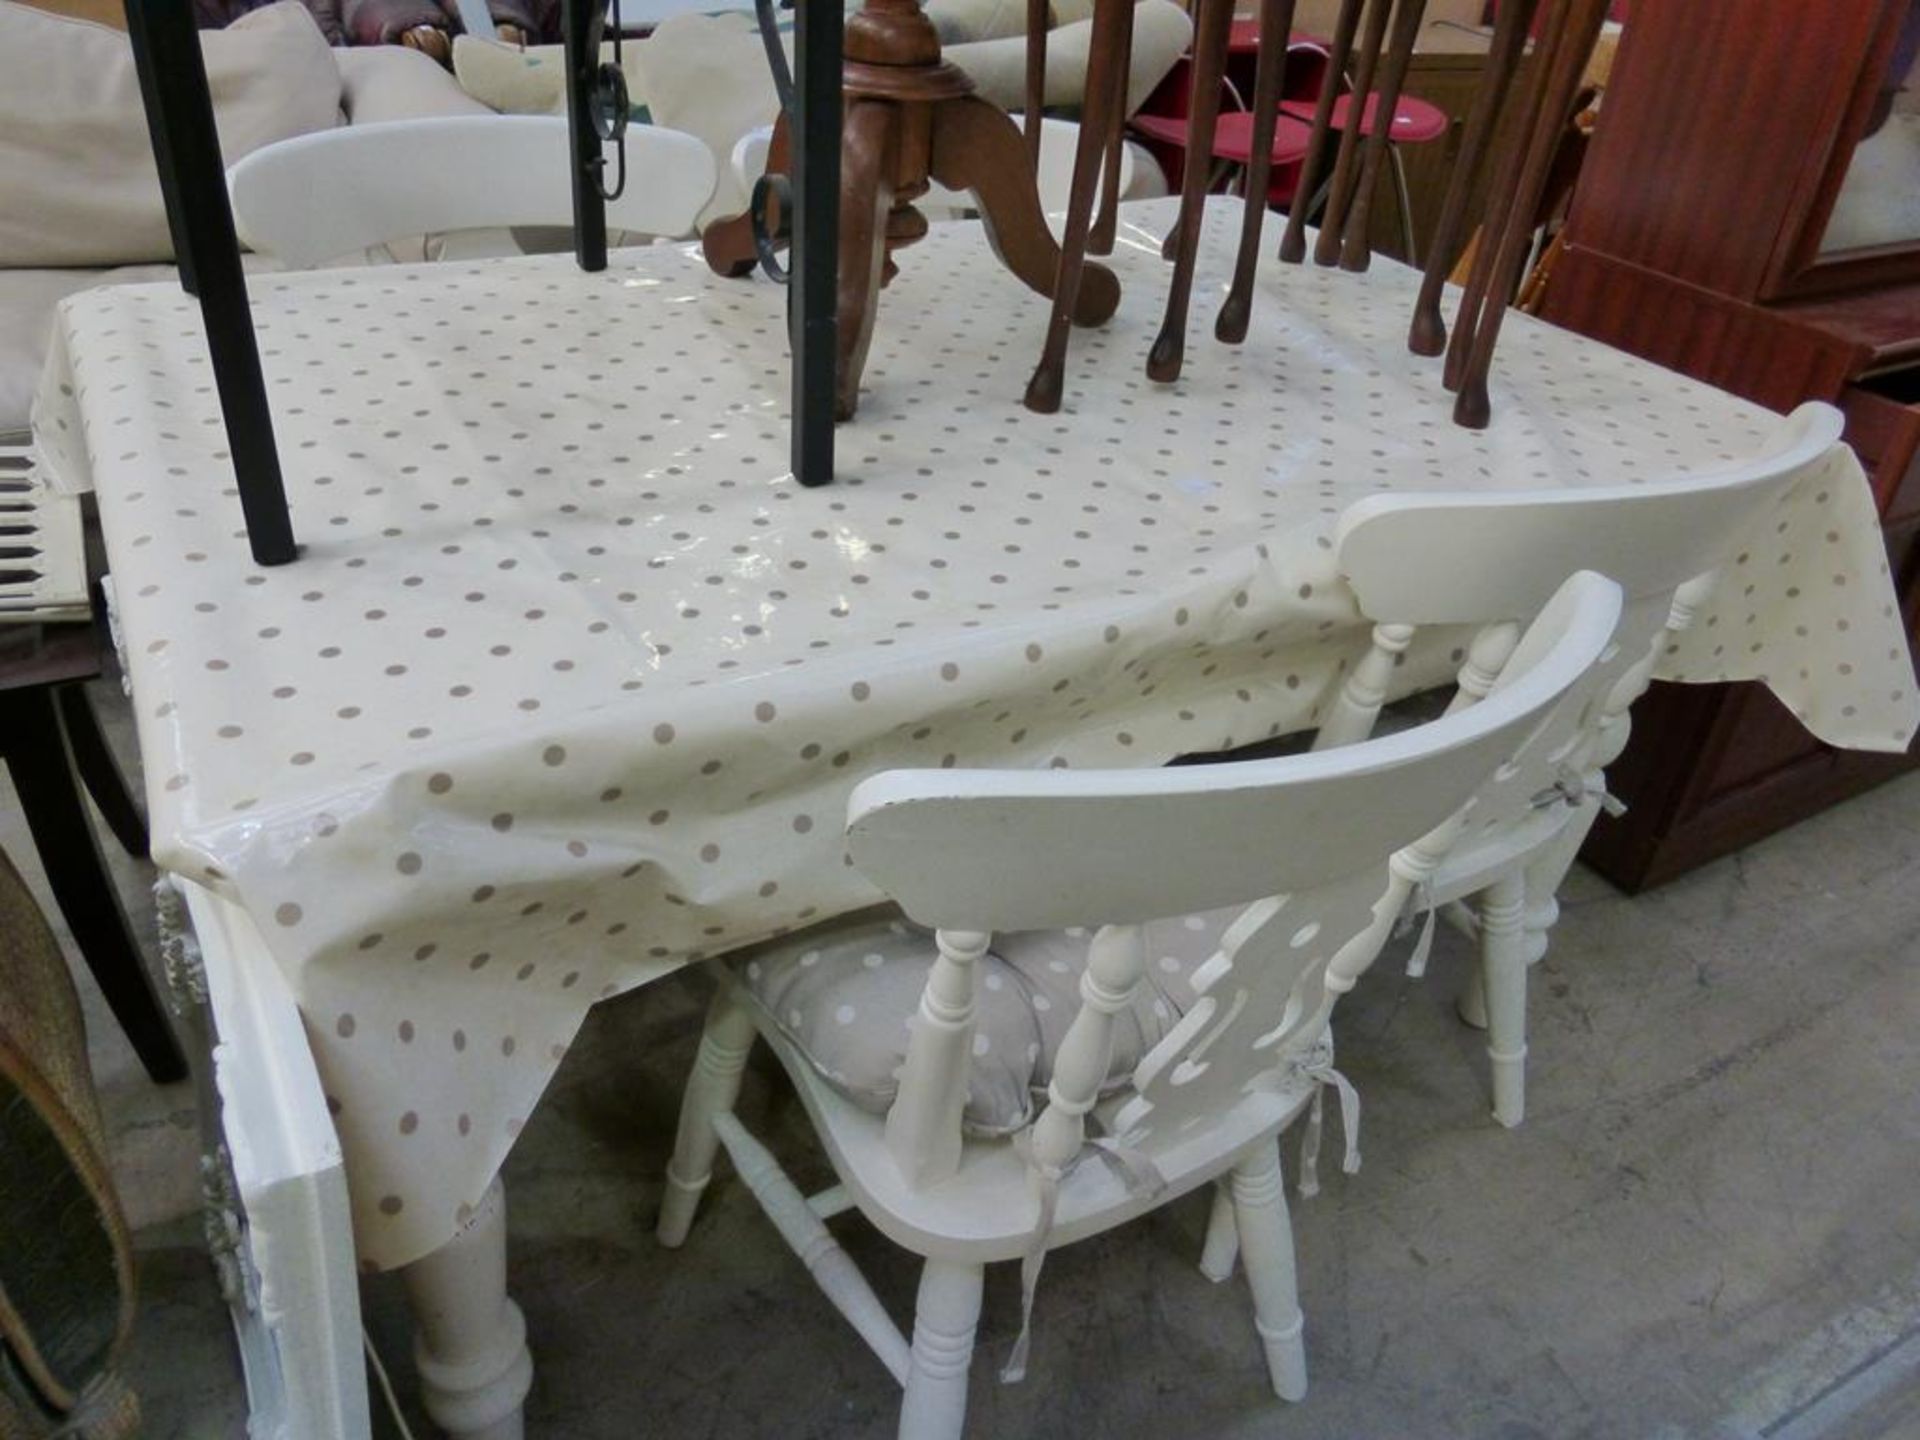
point(1170, 1051)
point(338, 192)
point(1490, 561)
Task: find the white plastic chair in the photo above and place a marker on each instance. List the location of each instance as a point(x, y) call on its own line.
point(1491, 561)
point(1295, 847)
point(335, 192)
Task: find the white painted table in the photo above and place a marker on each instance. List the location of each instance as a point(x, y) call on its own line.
point(572, 680)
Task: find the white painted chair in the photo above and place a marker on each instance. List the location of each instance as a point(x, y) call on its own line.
point(1281, 864)
point(337, 192)
point(1490, 561)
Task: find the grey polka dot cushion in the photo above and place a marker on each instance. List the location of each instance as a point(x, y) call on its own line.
point(846, 997)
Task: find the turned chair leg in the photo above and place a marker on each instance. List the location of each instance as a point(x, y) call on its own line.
point(1503, 966)
point(470, 1339)
point(935, 1404)
point(711, 1090)
point(1266, 1247)
point(1221, 1251)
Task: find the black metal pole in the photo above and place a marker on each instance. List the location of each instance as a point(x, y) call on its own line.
point(581, 24)
point(186, 149)
point(815, 262)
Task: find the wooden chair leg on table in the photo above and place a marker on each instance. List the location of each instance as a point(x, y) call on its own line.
point(1049, 376)
point(1276, 24)
point(712, 1089)
point(1106, 225)
point(1210, 54)
point(1266, 1247)
point(1346, 165)
point(1566, 58)
point(1428, 333)
point(1503, 967)
point(100, 772)
point(37, 757)
point(1293, 243)
point(934, 1406)
point(1036, 78)
point(470, 1339)
point(1356, 251)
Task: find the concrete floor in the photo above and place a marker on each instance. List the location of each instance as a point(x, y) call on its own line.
point(1708, 1227)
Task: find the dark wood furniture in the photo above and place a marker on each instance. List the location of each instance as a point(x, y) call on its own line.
point(1694, 240)
point(51, 743)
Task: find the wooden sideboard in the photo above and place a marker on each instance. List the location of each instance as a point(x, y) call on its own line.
point(1694, 240)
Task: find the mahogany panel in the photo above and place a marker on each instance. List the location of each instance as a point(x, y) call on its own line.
point(1886, 436)
point(1769, 358)
point(1716, 142)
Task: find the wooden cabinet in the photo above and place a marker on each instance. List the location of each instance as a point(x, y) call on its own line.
point(1698, 238)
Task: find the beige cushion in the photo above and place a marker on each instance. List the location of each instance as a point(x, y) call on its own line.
point(77, 180)
point(707, 75)
point(962, 21)
point(844, 994)
point(1161, 34)
point(393, 82)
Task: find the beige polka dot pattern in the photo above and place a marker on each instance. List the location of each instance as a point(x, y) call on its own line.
point(572, 681)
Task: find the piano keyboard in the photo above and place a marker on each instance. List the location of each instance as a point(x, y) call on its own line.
point(43, 563)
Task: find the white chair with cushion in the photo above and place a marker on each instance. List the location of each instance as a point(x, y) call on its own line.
point(1174, 1043)
point(321, 196)
point(1489, 561)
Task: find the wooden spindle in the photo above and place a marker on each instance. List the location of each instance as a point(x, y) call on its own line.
point(1346, 164)
point(1213, 21)
point(1428, 335)
point(1355, 251)
point(1356, 706)
point(923, 1126)
point(1293, 243)
point(1276, 25)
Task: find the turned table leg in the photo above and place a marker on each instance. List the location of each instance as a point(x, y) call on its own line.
point(470, 1339)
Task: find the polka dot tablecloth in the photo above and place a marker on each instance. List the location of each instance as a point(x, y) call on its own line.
point(572, 680)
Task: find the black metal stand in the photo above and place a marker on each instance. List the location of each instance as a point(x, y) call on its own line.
point(814, 265)
point(581, 25)
point(186, 149)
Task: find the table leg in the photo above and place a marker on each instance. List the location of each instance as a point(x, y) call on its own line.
point(42, 770)
point(470, 1339)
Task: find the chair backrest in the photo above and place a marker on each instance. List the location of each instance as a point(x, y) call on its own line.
point(1018, 849)
point(1473, 557)
point(334, 192)
point(1305, 842)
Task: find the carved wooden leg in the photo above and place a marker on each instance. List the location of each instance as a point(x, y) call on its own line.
point(1293, 244)
point(870, 159)
point(977, 149)
point(1107, 224)
point(1222, 1248)
point(1036, 78)
point(1049, 376)
point(1503, 964)
point(1209, 61)
point(470, 1339)
point(1276, 25)
point(1346, 165)
point(935, 1404)
point(712, 1089)
point(1266, 1245)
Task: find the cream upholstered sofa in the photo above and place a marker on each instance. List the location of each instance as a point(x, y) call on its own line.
point(707, 74)
point(79, 199)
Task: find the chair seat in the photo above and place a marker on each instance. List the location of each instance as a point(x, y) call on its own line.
point(968, 1217)
point(843, 996)
point(1232, 136)
point(1415, 121)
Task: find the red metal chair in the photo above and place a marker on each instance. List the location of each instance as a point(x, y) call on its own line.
point(1161, 124)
